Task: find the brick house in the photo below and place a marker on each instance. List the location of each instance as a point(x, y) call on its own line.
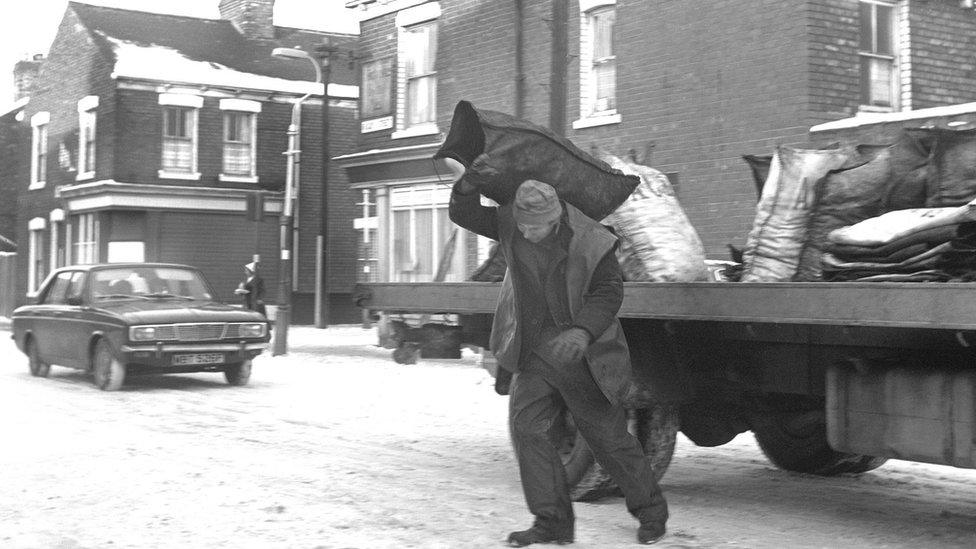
point(685, 87)
point(14, 138)
point(161, 138)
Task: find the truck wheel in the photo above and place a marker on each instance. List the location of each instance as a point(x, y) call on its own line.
point(797, 441)
point(238, 374)
point(109, 372)
point(406, 353)
point(38, 368)
point(656, 428)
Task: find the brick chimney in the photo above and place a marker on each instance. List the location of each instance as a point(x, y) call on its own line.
point(25, 74)
point(252, 18)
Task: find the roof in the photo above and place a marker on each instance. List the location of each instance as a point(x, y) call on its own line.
point(7, 245)
point(193, 50)
point(129, 265)
point(14, 108)
point(863, 119)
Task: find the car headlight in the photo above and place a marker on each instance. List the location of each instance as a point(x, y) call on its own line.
point(254, 329)
point(142, 333)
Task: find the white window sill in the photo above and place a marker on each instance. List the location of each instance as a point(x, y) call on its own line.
point(238, 178)
point(597, 120)
point(187, 176)
point(414, 131)
point(874, 109)
point(84, 176)
point(36, 185)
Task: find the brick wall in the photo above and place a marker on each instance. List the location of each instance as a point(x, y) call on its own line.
point(943, 46)
point(72, 70)
point(698, 85)
point(140, 125)
point(696, 89)
point(833, 30)
point(129, 145)
point(14, 171)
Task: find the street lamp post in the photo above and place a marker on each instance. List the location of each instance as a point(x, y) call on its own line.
point(286, 236)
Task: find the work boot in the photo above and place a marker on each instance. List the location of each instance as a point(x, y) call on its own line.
point(650, 532)
point(537, 534)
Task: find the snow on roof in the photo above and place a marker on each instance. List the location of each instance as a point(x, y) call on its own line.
point(863, 119)
point(164, 64)
point(17, 105)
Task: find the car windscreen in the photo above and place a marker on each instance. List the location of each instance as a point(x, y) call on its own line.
point(149, 283)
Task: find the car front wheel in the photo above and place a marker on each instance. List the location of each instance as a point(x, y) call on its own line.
point(238, 374)
point(38, 368)
point(109, 372)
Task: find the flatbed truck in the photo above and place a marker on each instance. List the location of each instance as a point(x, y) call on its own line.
point(831, 377)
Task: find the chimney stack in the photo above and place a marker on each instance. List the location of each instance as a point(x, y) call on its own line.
point(252, 18)
point(25, 74)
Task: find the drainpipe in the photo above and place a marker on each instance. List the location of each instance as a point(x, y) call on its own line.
point(519, 59)
point(557, 69)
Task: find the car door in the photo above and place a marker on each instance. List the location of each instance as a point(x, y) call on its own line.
point(77, 325)
point(49, 319)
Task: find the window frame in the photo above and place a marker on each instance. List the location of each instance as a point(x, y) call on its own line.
point(193, 104)
point(56, 293)
point(39, 150)
point(84, 244)
point(590, 113)
point(866, 90)
point(407, 21)
point(239, 107)
point(56, 219)
point(87, 137)
point(35, 254)
point(432, 198)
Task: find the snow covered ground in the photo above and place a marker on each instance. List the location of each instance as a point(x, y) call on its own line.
point(337, 446)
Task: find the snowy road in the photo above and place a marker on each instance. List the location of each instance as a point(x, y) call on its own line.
point(336, 446)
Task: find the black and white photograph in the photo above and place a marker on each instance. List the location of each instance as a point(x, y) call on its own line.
point(386, 274)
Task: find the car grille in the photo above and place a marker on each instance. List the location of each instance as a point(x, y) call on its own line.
point(202, 332)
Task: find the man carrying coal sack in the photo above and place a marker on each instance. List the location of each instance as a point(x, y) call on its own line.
point(555, 328)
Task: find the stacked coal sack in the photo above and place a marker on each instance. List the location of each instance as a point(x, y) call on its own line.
point(908, 215)
point(924, 244)
point(775, 243)
point(808, 225)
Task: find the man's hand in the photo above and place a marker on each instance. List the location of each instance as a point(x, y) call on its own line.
point(569, 345)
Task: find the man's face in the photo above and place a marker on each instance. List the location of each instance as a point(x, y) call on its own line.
point(535, 232)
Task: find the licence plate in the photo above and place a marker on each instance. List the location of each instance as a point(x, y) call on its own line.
point(198, 358)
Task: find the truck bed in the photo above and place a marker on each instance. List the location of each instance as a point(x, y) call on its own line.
point(942, 306)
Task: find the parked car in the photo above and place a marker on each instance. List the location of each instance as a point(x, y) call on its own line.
point(115, 320)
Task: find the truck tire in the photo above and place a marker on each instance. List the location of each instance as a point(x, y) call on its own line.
point(797, 441)
point(656, 428)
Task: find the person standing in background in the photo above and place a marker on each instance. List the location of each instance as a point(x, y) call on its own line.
point(252, 289)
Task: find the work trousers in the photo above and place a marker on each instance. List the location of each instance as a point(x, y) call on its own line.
point(537, 397)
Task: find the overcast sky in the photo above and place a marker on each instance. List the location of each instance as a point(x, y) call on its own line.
point(28, 26)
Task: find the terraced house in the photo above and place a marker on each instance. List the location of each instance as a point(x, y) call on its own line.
point(685, 87)
point(161, 138)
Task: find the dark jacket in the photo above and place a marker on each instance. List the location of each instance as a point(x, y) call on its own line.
point(254, 298)
point(594, 294)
